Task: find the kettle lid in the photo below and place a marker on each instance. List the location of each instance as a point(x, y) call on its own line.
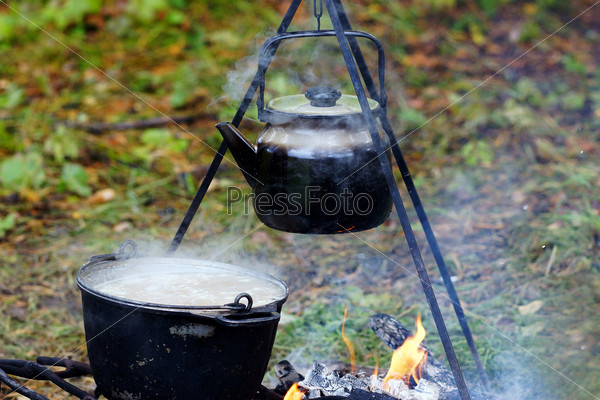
point(318, 102)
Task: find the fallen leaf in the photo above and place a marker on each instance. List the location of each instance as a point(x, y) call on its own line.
point(531, 308)
point(534, 329)
point(122, 226)
point(102, 196)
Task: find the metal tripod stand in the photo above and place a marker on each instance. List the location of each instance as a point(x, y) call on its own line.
point(357, 68)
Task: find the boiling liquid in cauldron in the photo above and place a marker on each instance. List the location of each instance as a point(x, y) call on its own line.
point(199, 288)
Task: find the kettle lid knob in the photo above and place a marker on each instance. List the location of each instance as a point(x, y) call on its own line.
point(323, 96)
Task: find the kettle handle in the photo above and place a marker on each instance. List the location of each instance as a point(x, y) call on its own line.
point(263, 62)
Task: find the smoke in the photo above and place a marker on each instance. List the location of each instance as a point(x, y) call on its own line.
point(520, 379)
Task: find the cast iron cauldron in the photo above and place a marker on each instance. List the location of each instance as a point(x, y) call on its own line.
point(150, 351)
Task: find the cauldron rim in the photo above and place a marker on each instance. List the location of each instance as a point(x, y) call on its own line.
point(96, 265)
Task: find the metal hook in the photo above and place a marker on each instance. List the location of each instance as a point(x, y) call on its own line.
point(318, 14)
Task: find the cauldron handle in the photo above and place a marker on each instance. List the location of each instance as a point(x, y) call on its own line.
point(247, 320)
point(239, 306)
point(127, 250)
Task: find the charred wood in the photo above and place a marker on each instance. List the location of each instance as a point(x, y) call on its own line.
point(265, 393)
point(287, 375)
point(359, 394)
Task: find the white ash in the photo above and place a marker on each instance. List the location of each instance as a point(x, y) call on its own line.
point(425, 389)
point(320, 382)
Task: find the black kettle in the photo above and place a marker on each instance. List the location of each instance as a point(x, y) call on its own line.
point(314, 167)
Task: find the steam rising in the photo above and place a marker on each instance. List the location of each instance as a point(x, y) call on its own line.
point(299, 64)
point(225, 249)
point(240, 77)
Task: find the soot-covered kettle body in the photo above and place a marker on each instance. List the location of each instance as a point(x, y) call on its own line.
point(314, 167)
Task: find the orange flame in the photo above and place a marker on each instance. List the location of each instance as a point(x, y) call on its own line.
point(349, 344)
point(408, 359)
point(294, 393)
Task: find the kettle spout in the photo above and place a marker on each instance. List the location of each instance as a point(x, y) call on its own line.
point(243, 151)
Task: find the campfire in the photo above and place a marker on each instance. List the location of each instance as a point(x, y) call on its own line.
point(413, 373)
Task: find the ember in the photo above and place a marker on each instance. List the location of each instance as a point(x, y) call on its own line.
point(294, 393)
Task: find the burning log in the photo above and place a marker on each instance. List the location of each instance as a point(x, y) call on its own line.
point(394, 334)
point(267, 394)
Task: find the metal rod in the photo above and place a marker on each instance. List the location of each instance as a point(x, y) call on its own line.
point(17, 387)
point(193, 208)
point(36, 371)
point(415, 198)
point(237, 119)
point(334, 13)
point(437, 253)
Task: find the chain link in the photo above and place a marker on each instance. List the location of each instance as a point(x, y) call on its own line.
point(319, 13)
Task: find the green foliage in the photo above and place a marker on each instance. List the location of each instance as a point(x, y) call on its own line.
point(573, 101)
point(439, 4)
point(61, 144)
point(531, 31)
point(526, 90)
point(23, 171)
point(513, 113)
point(67, 12)
point(74, 178)
point(159, 142)
point(571, 64)
point(7, 223)
point(12, 96)
point(411, 118)
point(145, 10)
point(587, 219)
point(554, 5)
point(8, 141)
point(163, 139)
point(491, 6)
point(416, 77)
point(467, 22)
point(477, 152)
point(319, 328)
point(186, 80)
point(8, 25)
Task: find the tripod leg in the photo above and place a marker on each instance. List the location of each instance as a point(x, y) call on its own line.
point(193, 208)
point(334, 14)
point(437, 253)
point(360, 60)
point(237, 119)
